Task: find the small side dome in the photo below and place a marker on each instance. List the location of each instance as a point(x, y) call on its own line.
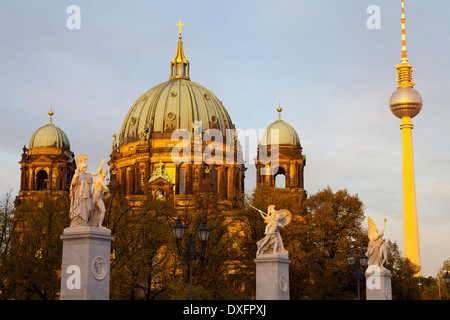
point(281, 131)
point(49, 136)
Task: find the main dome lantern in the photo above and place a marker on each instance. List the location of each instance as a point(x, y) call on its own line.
point(174, 104)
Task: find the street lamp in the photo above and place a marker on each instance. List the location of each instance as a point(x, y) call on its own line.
point(190, 253)
point(447, 281)
point(358, 267)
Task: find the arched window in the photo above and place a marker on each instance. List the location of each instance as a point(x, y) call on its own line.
point(280, 178)
point(41, 180)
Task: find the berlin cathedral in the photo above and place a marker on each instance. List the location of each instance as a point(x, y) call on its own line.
point(142, 165)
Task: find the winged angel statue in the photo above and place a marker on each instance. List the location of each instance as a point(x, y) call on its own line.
point(272, 242)
point(376, 250)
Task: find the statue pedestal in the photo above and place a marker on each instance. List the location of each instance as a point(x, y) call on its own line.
point(85, 263)
point(378, 283)
point(272, 277)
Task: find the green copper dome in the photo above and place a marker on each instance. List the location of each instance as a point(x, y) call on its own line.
point(49, 136)
point(286, 135)
point(175, 104)
point(280, 132)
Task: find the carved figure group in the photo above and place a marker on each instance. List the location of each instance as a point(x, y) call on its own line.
point(272, 242)
point(86, 205)
point(160, 173)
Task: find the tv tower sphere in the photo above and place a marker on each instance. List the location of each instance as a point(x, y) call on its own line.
point(405, 102)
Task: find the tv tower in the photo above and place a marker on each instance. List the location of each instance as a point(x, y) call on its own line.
point(405, 103)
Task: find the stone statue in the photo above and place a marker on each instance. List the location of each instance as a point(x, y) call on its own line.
point(272, 242)
point(376, 250)
point(98, 212)
point(160, 173)
point(145, 132)
point(115, 137)
point(197, 130)
point(160, 195)
point(165, 175)
point(80, 193)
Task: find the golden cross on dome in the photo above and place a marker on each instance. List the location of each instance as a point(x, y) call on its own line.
point(180, 25)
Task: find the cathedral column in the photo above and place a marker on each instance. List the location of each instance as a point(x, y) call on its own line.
point(129, 182)
point(177, 179)
point(287, 176)
point(50, 179)
point(300, 175)
point(23, 178)
point(258, 175)
point(219, 181)
point(121, 179)
point(63, 178)
point(197, 177)
point(189, 179)
point(293, 183)
point(33, 179)
point(137, 177)
point(231, 182)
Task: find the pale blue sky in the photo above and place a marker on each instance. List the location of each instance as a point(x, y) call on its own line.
point(332, 75)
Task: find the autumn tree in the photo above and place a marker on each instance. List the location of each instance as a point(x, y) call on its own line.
point(331, 228)
point(438, 290)
point(219, 274)
point(7, 227)
point(404, 282)
point(323, 230)
point(141, 234)
point(34, 263)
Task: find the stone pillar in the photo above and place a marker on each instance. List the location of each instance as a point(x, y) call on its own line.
point(272, 277)
point(378, 283)
point(23, 178)
point(85, 263)
point(220, 182)
point(293, 176)
point(231, 184)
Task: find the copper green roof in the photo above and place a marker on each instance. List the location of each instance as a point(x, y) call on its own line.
point(49, 136)
point(280, 133)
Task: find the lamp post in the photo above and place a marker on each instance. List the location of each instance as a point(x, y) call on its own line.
point(190, 253)
point(447, 281)
point(358, 267)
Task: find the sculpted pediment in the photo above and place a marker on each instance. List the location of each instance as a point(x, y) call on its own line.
point(160, 181)
point(41, 158)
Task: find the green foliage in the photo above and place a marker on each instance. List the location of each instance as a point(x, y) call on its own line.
point(403, 281)
point(435, 288)
point(145, 263)
point(7, 227)
point(318, 239)
point(138, 256)
point(330, 228)
point(34, 261)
